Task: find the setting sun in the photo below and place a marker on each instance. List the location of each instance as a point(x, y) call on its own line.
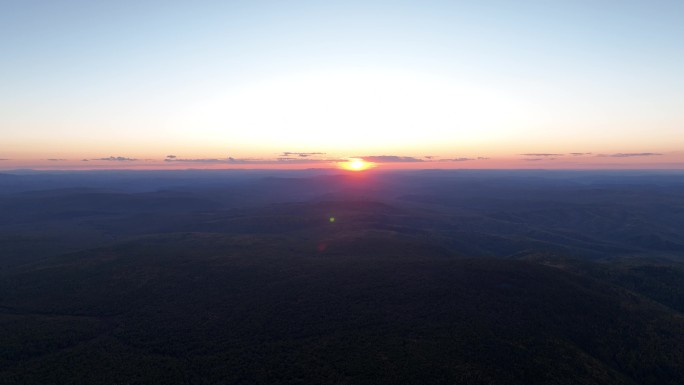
point(356, 164)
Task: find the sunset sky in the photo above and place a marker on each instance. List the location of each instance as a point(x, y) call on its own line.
point(419, 84)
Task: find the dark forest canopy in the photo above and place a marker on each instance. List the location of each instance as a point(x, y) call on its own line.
point(476, 277)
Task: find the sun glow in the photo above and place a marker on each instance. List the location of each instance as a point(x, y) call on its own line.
point(422, 109)
point(356, 164)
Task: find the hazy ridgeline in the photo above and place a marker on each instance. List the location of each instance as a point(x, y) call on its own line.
point(319, 276)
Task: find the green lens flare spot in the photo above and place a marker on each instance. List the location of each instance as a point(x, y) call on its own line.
point(332, 219)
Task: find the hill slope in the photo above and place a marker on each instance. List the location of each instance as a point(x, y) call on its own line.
point(211, 308)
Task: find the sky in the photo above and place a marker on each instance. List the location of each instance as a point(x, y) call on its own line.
point(299, 84)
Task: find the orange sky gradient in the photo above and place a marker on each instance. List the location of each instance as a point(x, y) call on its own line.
point(519, 161)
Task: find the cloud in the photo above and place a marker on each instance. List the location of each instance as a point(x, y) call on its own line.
point(389, 159)
point(117, 159)
point(537, 159)
point(231, 160)
point(287, 154)
point(4, 159)
point(56, 160)
point(170, 157)
point(628, 154)
point(580, 153)
point(302, 160)
point(200, 160)
point(411, 159)
point(541, 155)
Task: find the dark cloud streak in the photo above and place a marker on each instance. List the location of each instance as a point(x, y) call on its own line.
point(411, 159)
point(287, 154)
point(457, 159)
point(542, 155)
point(231, 160)
point(117, 159)
point(628, 154)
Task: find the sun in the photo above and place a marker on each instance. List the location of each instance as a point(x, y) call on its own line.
point(356, 164)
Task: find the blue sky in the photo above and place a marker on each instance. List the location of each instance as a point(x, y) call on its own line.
point(133, 76)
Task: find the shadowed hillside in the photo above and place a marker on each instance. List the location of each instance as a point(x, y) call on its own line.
point(482, 279)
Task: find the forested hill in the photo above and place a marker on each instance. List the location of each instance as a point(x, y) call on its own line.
point(404, 278)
